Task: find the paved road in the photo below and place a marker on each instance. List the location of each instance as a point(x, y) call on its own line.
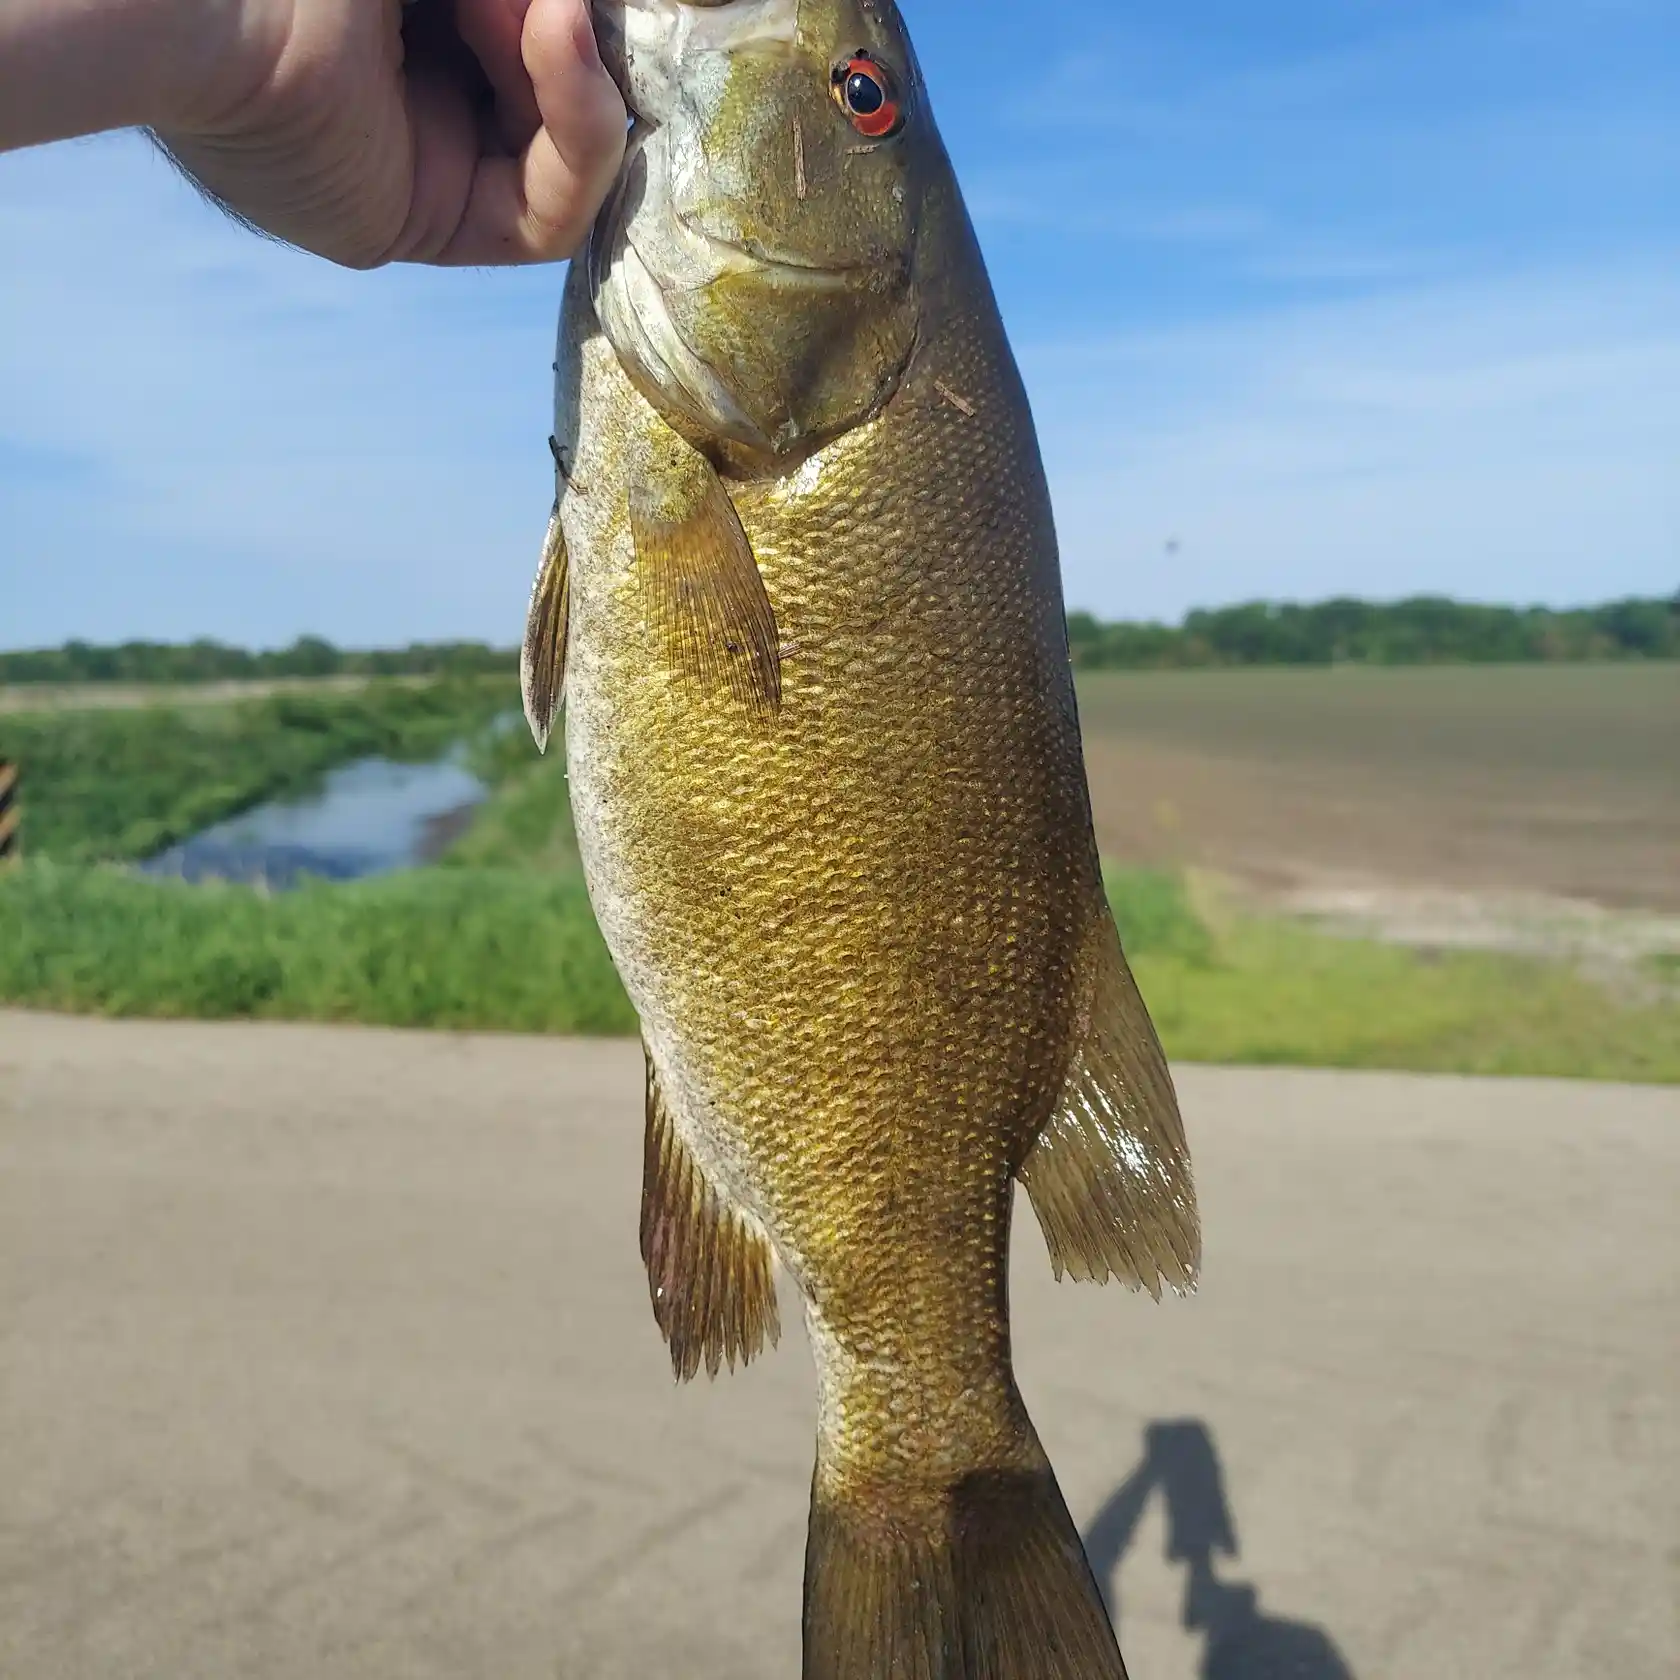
point(326, 1354)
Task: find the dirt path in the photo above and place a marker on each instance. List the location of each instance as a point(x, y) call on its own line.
point(326, 1353)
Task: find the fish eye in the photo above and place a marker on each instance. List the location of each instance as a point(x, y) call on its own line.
point(864, 90)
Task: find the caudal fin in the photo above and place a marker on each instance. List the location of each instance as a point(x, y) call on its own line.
point(994, 1585)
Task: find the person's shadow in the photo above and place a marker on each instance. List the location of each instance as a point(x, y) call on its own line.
point(1241, 1643)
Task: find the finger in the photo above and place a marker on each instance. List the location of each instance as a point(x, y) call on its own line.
point(492, 28)
point(538, 207)
point(445, 144)
point(561, 55)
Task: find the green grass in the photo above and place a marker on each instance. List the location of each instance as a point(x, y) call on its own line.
point(517, 949)
point(1156, 918)
point(125, 784)
point(1280, 994)
point(425, 948)
point(526, 823)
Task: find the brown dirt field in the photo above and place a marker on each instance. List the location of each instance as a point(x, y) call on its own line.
point(1559, 780)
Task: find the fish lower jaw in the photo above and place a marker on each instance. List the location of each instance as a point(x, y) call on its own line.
point(738, 255)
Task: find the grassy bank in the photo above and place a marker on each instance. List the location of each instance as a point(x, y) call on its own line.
point(426, 948)
point(526, 823)
point(1277, 993)
point(517, 949)
point(124, 784)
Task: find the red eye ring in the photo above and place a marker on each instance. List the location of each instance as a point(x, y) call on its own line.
point(864, 91)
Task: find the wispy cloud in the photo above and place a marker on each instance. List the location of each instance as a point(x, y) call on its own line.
point(1515, 438)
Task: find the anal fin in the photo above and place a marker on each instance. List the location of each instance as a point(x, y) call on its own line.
point(1109, 1175)
point(711, 1274)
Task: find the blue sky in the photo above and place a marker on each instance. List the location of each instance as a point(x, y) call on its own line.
point(1364, 296)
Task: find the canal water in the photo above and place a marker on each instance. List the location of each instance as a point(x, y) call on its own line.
point(365, 819)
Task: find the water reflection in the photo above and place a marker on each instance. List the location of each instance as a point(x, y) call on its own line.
point(364, 819)
point(1181, 1463)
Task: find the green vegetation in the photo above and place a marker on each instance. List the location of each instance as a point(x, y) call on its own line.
point(1156, 918)
point(207, 661)
point(1426, 630)
point(517, 949)
point(1275, 992)
point(426, 948)
point(124, 784)
point(526, 823)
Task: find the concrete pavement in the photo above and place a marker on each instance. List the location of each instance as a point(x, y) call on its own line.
point(326, 1353)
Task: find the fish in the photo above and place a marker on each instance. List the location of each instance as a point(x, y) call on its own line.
point(800, 604)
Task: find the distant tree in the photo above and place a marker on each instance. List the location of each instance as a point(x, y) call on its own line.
point(311, 656)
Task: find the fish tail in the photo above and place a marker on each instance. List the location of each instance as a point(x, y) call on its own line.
point(984, 1579)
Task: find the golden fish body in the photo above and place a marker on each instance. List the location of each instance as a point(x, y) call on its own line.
point(802, 599)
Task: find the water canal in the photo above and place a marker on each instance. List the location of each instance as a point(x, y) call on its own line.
point(365, 818)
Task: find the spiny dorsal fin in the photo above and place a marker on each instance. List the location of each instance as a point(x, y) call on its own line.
point(705, 598)
point(542, 660)
point(1109, 1176)
point(710, 1273)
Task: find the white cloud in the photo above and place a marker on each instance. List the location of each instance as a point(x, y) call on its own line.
point(1508, 439)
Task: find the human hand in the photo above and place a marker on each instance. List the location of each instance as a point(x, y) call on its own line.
point(447, 131)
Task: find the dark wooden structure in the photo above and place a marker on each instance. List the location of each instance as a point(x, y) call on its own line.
point(10, 843)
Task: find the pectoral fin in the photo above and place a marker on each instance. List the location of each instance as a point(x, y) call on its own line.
point(705, 599)
point(542, 660)
point(1109, 1176)
point(710, 1272)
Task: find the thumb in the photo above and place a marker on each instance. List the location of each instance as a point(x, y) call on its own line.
point(537, 207)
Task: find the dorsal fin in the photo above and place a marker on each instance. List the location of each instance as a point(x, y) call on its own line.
point(1109, 1175)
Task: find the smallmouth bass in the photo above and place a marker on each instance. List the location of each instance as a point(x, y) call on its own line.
point(801, 598)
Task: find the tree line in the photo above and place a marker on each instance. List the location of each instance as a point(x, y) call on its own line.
point(208, 661)
point(1426, 630)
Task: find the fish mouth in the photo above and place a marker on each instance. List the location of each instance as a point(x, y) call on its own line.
point(745, 254)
